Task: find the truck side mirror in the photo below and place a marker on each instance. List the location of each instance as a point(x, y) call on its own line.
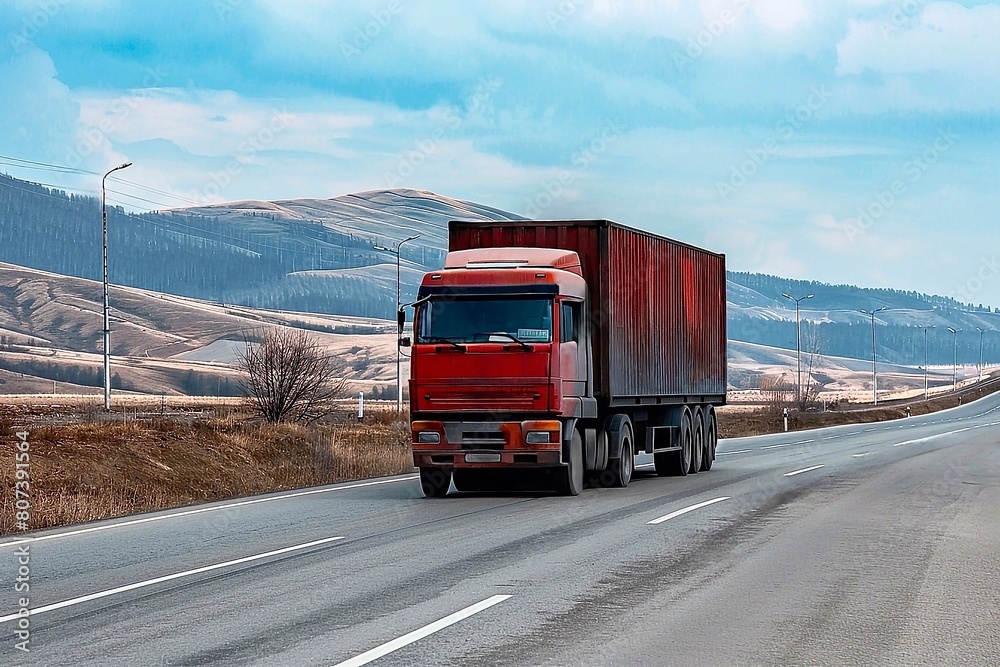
point(400, 318)
point(404, 341)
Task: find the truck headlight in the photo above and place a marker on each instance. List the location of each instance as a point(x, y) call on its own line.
point(538, 437)
point(428, 437)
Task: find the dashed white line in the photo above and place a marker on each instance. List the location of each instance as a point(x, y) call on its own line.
point(799, 472)
point(869, 430)
point(738, 451)
point(861, 455)
point(673, 515)
point(787, 444)
point(832, 437)
point(169, 577)
point(931, 437)
point(202, 510)
point(416, 635)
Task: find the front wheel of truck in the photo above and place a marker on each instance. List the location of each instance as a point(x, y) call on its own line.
point(571, 481)
point(434, 482)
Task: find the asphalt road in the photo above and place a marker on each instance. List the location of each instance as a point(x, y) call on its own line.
point(874, 544)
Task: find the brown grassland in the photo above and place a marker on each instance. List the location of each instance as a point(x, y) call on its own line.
point(87, 465)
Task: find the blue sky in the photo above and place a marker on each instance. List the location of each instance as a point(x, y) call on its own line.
point(852, 142)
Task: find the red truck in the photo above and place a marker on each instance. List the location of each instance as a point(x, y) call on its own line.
point(568, 345)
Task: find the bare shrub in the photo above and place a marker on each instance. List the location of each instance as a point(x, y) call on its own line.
point(777, 391)
point(288, 376)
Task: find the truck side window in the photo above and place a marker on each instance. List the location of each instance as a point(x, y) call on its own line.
point(569, 324)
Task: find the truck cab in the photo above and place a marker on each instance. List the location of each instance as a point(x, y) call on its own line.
point(499, 360)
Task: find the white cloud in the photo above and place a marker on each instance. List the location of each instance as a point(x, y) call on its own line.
point(945, 37)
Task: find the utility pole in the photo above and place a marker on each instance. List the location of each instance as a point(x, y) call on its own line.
point(399, 328)
point(874, 353)
point(107, 305)
point(798, 348)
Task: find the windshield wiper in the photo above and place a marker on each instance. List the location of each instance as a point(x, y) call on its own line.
point(441, 339)
point(514, 338)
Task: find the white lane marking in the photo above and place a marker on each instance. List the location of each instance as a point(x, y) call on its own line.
point(863, 454)
point(672, 515)
point(831, 437)
point(169, 577)
point(787, 444)
point(738, 451)
point(202, 510)
point(931, 437)
point(799, 472)
point(416, 635)
point(869, 430)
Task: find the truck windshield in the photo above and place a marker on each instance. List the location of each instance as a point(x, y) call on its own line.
point(482, 320)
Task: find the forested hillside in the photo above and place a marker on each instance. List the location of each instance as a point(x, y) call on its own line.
point(317, 255)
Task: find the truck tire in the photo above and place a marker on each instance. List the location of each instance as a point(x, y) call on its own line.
point(697, 440)
point(571, 479)
point(434, 482)
point(677, 463)
point(619, 470)
point(711, 439)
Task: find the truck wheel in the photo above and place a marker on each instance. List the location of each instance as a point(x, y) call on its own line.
point(679, 462)
point(571, 483)
point(711, 440)
point(697, 441)
point(434, 482)
point(621, 469)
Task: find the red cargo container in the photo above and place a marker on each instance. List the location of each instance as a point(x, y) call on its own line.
point(568, 346)
point(660, 305)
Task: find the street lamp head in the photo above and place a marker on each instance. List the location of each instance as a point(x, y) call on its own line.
point(808, 296)
point(125, 165)
point(410, 238)
point(787, 295)
point(879, 310)
point(953, 330)
point(382, 248)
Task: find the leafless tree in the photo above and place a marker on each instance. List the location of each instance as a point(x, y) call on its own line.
point(288, 376)
point(777, 391)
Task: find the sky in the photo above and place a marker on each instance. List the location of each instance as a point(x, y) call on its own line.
point(847, 142)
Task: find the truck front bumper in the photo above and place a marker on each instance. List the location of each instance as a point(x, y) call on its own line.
point(455, 444)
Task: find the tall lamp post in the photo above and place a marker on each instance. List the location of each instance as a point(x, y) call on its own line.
point(798, 347)
point(981, 332)
point(107, 306)
point(399, 329)
point(874, 353)
point(925, 361)
point(954, 377)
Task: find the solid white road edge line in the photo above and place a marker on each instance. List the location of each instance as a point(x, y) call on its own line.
point(931, 437)
point(416, 635)
point(169, 577)
point(799, 472)
point(202, 510)
point(692, 508)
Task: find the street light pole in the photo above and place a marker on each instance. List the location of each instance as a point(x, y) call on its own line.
point(925, 361)
point(107, 306)
point(981, 332)
point(954, 377)
point(399, 329)
point(874, 353)
point(798, 347)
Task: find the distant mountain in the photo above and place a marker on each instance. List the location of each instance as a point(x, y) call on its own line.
point(317, 255)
